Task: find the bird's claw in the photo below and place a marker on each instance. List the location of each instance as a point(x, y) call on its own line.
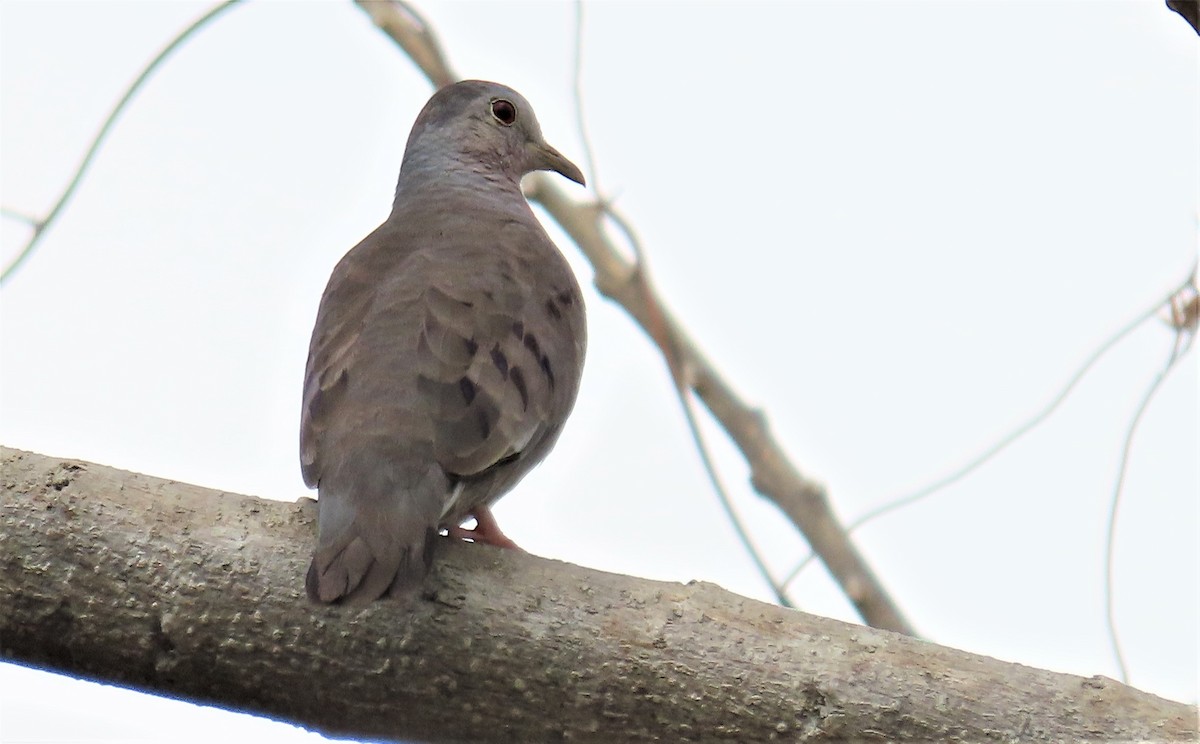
point(486, 530)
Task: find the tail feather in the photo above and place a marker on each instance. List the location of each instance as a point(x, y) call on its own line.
point(375, 536)
point(356, 576)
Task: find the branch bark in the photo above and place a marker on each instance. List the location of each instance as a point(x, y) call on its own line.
point(182, 591)
point(772, 473)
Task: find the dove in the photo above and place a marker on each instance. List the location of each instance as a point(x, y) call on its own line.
point(446, 354)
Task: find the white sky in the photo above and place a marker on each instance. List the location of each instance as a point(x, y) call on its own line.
point(899, 227)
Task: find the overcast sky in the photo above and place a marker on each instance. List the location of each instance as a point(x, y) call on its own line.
point(899, 227)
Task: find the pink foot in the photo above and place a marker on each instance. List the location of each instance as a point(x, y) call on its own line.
point(485, 531)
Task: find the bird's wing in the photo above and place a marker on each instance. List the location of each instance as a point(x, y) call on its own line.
point(474, 352)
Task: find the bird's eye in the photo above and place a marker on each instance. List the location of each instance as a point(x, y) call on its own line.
point(504, 111)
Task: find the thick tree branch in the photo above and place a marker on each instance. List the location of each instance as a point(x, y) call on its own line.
point(772, 473)
point(188, 592)
point(1189, 9)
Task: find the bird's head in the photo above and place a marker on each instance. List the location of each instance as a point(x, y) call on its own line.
point(481, 125)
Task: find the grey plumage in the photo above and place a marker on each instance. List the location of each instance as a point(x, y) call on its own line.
point(447, 349)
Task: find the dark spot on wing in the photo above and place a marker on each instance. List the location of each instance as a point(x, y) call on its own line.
point(468, 389)
point(518, 329)
point(532, 344)
point(565, 298)
point(500, 361)
point(552, 310)
point(543, 361)
point(472, 346)
point(518, 379)
point(485, 427)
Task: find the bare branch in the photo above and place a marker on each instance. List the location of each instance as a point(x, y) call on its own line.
point(1189, 9)
point(187, 592)
point(772, 474)
point(408, 28)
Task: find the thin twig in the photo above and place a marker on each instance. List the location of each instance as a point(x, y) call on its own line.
point(1008, 439)
point(1183, 314)
point(772, 473)
point(20, 216)
point(658, 331)
point(722, 492)
point(1109, 605)
point(580, 119)
point(676, 364)
point(1184, 325)
point(40, 226)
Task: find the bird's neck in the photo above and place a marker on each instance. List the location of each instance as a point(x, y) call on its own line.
point(441, 172)
point(451, 182)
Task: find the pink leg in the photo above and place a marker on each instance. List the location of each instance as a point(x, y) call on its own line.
point(486, 530)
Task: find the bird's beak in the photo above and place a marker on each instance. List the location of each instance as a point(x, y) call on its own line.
point(552, 159)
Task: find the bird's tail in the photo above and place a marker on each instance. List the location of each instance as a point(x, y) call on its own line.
point(376, 526)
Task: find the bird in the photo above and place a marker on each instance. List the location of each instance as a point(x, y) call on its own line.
point(446, 354)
